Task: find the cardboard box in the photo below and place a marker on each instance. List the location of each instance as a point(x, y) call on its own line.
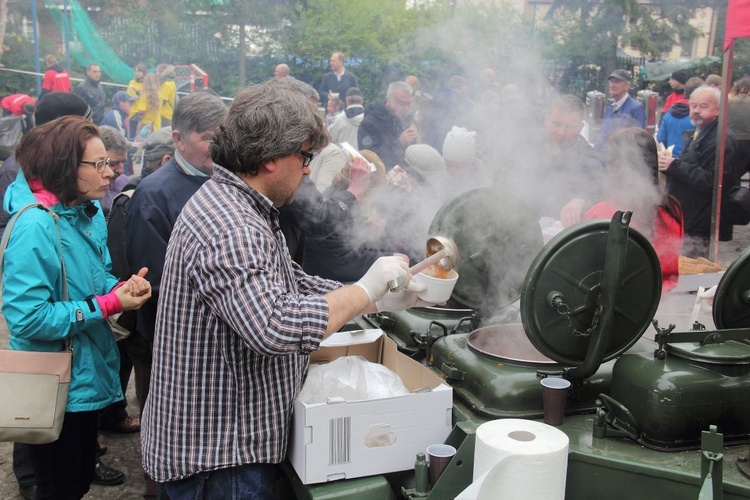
point(348, 439)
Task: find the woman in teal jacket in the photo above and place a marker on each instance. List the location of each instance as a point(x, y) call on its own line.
point(64, 167)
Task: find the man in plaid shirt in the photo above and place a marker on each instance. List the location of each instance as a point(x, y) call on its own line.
point(237, 319)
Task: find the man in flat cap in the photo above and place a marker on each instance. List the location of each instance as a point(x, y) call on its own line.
point(623, 112)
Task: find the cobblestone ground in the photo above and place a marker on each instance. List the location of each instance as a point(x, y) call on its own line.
point(125, 450)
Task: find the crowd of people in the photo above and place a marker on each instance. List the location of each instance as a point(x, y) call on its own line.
point(225, 245)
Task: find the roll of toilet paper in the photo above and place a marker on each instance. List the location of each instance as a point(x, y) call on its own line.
point(519, 459)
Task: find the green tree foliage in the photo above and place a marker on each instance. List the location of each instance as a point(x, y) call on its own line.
point(581, 37)
point(369, 33)
point(18, 53)
point(451, 41)
point(573, 45)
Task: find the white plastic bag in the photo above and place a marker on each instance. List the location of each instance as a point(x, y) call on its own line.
point(351, 378)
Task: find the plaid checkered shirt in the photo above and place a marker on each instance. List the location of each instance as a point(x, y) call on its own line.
point(236, 322)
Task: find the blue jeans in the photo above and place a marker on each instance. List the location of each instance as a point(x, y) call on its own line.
point(247, 482)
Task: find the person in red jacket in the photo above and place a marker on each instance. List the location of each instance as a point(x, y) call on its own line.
point(634, 185)
point(18, 104)
point(677, 82)
point(56, 79)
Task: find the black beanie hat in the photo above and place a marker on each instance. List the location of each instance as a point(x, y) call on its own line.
point(57, 104)
point(680, 76)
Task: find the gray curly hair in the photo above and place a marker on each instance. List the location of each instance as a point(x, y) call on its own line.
point(265, 122)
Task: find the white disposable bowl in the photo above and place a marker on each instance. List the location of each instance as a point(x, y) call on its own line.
point(438, 290)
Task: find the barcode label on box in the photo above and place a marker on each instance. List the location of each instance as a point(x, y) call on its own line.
point(340, 446)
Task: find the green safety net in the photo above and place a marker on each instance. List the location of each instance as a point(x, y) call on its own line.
point(86, 44)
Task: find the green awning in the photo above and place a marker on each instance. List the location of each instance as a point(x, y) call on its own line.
point(660, 71)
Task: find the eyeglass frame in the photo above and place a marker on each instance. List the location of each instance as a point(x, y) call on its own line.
point(105, 161)
point(307, 157)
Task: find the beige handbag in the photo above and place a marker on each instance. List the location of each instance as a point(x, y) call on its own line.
point(33, 385)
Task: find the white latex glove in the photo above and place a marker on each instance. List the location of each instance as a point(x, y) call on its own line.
point(405, 299)
point(375, 281)
point(707, 295)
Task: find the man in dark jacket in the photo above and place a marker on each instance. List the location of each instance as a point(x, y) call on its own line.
point(382, 129)
point(563, 177)
point(90, 91)
point(690, 178)
point(159, 198)
point(338, 80)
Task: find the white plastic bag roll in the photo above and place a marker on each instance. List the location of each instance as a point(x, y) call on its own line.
point(518, 459)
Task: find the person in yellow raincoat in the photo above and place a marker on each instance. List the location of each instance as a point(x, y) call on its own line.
point(168, 92)
point(148, 106)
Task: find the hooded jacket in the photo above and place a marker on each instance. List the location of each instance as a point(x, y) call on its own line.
point(673, 125)
point(37, 317)
point(56, 79)
point(379, 132)
point(345, 126)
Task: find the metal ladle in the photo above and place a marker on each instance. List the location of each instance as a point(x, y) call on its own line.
point(440, 250)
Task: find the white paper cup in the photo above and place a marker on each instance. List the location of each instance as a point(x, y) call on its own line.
point(438, 290)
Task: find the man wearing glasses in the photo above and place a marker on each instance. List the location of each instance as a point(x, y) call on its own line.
point(158, 200)
point(237, 318)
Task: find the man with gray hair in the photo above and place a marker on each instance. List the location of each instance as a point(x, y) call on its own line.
point(237, 318)
point(382, 128)
point(159, 198)
point(690, 178)
point(117, 150)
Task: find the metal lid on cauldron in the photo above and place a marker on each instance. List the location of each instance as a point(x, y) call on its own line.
point(497, 238)
point(714, 350)
point(571, 265)
point(732, 300)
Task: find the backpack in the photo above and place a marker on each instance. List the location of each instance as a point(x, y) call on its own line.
point(124, 323)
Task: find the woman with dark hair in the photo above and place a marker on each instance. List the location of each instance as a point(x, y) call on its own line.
point(632, 170)
point(64, 167)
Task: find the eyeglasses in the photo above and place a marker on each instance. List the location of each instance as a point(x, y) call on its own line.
point(306, 157)
point(100, 165)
